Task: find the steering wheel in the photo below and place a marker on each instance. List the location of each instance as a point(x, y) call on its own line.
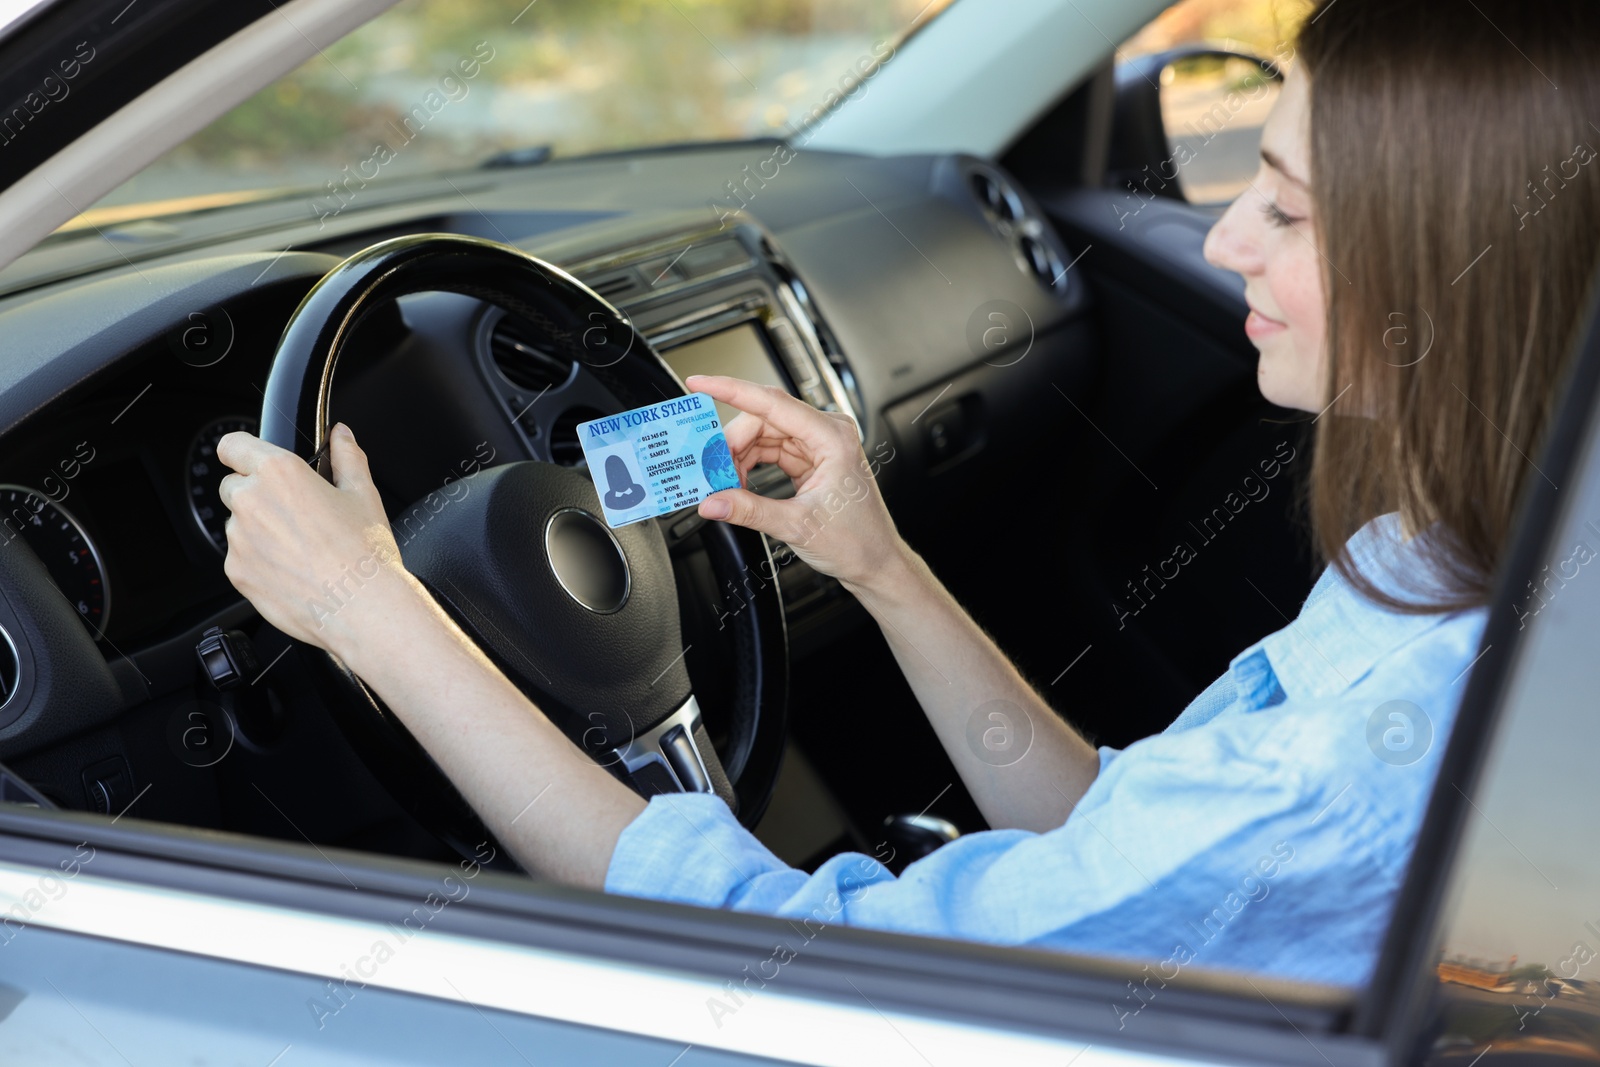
point(582, 618)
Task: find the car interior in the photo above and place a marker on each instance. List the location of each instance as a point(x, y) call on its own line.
point(466, 227)
point(1054, 388)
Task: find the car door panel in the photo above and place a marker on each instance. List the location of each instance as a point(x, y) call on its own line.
point(70, 998)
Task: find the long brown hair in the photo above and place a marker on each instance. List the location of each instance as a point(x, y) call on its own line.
point(1456, 187)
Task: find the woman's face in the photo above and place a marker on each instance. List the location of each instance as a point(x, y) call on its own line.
point(1269, 236)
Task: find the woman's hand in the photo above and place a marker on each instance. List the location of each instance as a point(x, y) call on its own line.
point(317, 560)
point(320, 563)
point(836, 521)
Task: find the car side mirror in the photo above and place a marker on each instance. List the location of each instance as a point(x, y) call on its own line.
point(1186, 122)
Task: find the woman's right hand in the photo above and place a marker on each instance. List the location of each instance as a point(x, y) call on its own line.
point(836, 521)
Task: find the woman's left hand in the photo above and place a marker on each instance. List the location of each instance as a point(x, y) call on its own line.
point(318, 560)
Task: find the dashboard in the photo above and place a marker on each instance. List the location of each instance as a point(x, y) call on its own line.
point(118, 496)
point(870, 287)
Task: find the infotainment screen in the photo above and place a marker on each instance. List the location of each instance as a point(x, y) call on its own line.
point(739, 352)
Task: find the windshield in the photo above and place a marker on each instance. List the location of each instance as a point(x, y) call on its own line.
point(444, 84)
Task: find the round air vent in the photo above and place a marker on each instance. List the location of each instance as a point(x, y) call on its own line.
point(523, 359)
point(1038, 252)
point(997, 197)
point(1042, 260)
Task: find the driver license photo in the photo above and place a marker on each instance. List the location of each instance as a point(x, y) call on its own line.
point(657, 459)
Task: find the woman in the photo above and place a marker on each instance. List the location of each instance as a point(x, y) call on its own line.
point(1422, 181)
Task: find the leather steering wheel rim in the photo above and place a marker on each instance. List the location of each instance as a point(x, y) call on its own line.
point(581, 325)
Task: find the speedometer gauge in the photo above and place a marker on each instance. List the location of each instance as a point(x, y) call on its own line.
point(205, 473)
point(59, 540)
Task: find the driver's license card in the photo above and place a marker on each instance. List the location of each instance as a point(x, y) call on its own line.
point(657, 459)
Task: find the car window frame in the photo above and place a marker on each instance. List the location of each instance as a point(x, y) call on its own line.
point(1045, 993)
point(132, 47)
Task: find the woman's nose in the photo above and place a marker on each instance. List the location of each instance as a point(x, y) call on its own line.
point(1233, 243)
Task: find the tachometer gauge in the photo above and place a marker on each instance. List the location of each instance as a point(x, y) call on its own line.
point(205, 473)
point(59, 540)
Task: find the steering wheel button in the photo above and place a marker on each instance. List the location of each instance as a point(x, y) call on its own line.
point(684, 759)
point(654, 777)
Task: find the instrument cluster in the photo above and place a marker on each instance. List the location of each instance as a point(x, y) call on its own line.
point(124, 513)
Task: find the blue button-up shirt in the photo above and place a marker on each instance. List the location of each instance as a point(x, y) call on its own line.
point(1267, 829)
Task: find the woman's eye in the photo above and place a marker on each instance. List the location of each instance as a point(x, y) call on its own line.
point(1275, 215)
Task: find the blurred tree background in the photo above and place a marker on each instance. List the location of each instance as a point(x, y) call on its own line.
point(577, 75)
point(1263, 27)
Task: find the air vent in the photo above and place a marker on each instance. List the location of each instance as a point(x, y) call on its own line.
point(564, 446)
point(617, 285)
point(996, 197)
point(525, 362)
point(1042, 261)
point(1037, 250)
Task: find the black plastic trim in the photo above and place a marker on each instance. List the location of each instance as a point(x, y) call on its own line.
point(1071, 143)
point(130, 47)
point(1154, 245)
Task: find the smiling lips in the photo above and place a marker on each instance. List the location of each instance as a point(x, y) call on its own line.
point(1258, 326)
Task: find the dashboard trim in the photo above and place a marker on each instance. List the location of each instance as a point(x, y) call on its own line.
point(15, 684)
point(806, 361)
